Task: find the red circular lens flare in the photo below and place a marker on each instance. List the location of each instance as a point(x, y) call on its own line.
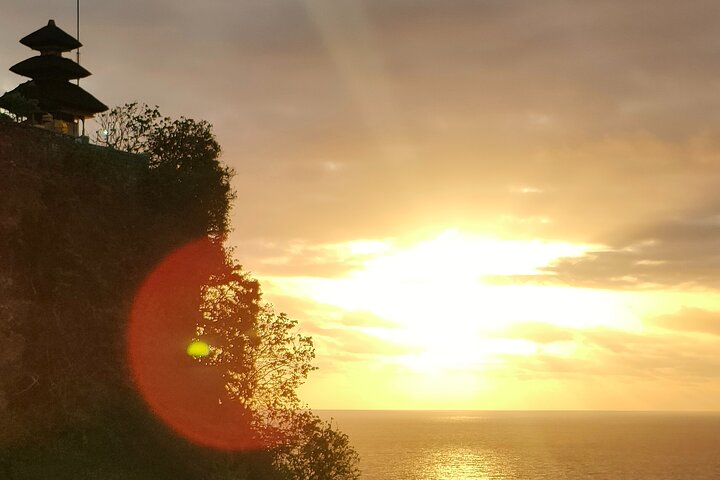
point(179, 389)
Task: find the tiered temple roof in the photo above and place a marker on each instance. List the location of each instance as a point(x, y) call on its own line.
point(48, 67)
point(50, 73)
point(50, 38)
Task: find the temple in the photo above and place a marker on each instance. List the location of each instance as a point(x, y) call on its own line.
point(49, 99)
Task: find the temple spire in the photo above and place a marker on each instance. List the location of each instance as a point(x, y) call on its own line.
point(61, 105)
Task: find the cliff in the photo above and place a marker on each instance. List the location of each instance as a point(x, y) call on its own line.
point(80, 227)
point(76, 236)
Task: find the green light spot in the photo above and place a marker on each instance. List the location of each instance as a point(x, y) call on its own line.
point(198, 349)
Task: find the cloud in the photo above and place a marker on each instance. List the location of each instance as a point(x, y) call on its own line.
point(328, 315)
point(615, 353)
point(690, 320)
point(680, 252)
point(421, 115)
point(357, 344)
point(602, 106)
point(341, 337)
point(542, 333)
point(300, 259)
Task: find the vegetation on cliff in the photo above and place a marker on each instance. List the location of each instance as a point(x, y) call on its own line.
point(81, 228)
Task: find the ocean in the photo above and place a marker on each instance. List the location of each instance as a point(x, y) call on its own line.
point(488, 445)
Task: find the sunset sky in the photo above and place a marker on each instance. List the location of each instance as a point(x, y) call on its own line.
point(488, 204)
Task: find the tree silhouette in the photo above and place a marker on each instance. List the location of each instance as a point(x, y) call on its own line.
point(264, 360)
point(128, 127)
point(259, 353)
point(86, 228)
point(185, 174)
point(317, 450)
point(18, 108)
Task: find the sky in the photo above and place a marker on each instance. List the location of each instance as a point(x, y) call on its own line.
point(489, 204)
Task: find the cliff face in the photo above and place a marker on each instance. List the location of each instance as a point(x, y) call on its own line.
point(81, 226)
point(75, 238)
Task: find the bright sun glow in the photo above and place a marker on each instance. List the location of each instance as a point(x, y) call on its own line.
point(451, 320)
point(445, 297)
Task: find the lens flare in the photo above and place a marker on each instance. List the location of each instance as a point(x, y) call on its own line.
point(198, 349)
point(187, 395)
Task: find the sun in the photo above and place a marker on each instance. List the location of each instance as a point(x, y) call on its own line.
point(461, 313)
point(443, 293)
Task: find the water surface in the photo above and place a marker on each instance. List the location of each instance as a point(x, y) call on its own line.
point(397, 445)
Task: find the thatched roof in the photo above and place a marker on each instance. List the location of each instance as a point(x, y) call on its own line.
point(55, 96)
point(49, 66)
point(50, 38)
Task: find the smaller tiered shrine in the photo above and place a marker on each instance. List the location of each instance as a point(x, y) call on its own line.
point(57, 104)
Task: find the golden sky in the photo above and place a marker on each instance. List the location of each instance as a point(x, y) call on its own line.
point(468, 204)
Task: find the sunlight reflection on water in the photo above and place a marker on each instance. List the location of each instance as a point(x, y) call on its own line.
point(534, 445)
point(464, 464)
